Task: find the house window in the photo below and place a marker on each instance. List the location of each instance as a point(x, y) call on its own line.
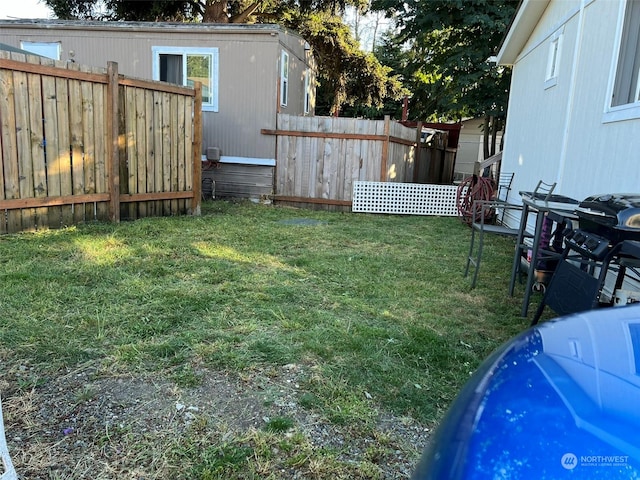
point(634, 333)
point(626, 88)
point(284, 79)
point(307, 90)
point(44, 49)
point(185, 66)
point(553, 61)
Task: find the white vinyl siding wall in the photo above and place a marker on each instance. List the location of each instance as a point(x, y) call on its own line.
point(560, 134)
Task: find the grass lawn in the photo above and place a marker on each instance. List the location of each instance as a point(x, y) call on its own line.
point(371, 313)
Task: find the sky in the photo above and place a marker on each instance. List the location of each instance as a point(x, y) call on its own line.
point(12, 9)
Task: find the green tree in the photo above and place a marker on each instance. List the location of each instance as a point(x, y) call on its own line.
point(347, 75)
point(351, 76)
point(391, 55)
point(447, 46)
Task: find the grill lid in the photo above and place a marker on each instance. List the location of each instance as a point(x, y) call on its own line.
point(616, 210)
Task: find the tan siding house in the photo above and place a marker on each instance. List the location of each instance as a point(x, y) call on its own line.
point(249, 74)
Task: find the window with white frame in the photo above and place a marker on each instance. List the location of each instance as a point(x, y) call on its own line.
point(553, 60)
point(634, 334)
point(284, 79)
point(307, 90)
point(626, 89)
point(185, 66)
point(44, 49)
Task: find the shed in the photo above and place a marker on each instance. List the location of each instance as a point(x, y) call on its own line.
point(574, 106)
point(250, 73)
point(471, 146)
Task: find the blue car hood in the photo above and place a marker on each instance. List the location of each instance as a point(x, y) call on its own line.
point(561, 400)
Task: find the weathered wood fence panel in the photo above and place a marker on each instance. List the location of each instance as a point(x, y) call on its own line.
point(319, 158)
point(81, 144)
point(434, 160)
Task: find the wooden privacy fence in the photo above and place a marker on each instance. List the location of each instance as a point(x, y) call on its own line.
point(435, 162)
point(319, 158)
point(81, 144)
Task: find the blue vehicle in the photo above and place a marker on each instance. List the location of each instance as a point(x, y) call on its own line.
point(561, 400)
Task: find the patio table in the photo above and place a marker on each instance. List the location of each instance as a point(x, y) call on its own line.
point(559, 209)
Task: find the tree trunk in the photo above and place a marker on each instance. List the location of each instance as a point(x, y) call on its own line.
point(374, 38)
point(244, 15)
point(215, 11)
point(485, 137)
point(356, 25)
point(494, 134)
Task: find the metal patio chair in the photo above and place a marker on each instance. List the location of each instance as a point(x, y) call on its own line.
point(543, 190)
point(505, 179)
point(485, 221)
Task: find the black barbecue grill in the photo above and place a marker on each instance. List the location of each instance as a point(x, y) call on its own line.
point(608, 235)
point(613, 216)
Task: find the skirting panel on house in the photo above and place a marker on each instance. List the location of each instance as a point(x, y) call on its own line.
point(404, 198)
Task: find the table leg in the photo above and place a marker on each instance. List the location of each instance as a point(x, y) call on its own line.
point(515, 268)
point(532, 265)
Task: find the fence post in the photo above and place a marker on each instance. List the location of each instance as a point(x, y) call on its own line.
point(417, 152)
point(197, 151)
point(385, 149)
point(113, 160)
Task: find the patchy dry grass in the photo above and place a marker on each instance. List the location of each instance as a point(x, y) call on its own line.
point(252, 342)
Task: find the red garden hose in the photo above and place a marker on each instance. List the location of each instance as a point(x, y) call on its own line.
point(471, 189)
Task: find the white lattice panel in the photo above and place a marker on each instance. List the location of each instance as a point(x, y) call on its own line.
point(404, 198)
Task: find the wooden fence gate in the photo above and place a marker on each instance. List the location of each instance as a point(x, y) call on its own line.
point(319, 158)
point(81, 144)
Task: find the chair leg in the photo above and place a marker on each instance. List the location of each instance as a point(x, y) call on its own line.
point(477, 261)
point(474, 258)
point(539, 311)
point(470, 254)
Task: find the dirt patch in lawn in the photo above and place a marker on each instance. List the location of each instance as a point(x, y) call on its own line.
point(83, 424)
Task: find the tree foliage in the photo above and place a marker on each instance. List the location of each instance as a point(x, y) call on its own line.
point(392, 56)
point(347, 72)
point(445, 50)
point(347, 75)
point(153, 10)
point(447, 44)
